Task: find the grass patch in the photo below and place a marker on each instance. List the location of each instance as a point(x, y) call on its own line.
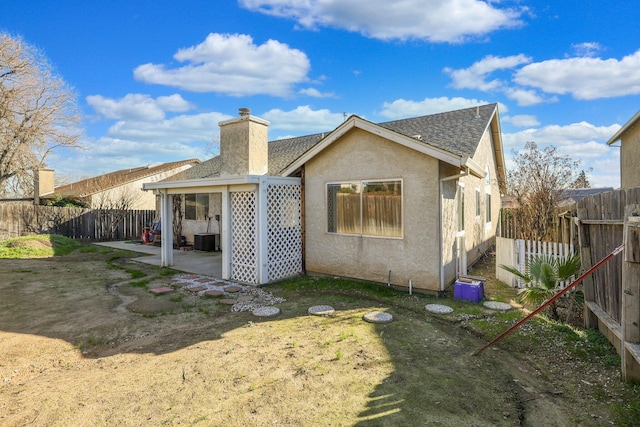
point(140, 283)
point(38, 246)
point(135, 274)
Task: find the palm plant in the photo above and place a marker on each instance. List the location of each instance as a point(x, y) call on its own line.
point(542, 277)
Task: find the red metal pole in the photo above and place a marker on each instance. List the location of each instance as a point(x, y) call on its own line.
point(580, 278)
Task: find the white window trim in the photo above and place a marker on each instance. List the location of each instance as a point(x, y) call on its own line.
point(361, 184)
point(459, 212)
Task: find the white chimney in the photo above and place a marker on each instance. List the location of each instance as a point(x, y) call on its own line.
point(244, 145)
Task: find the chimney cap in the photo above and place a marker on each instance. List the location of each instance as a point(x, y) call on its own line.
point(244, 112)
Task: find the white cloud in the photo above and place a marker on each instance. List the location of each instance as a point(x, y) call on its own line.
point(401, 108)
point(136, 106)
point(526, 97)
point(584, 77)
point(180, 129)
point(450, 21)
point(232, 64)
point(571, 135)
point(475, 76)
point(303, 119)
point(521, 120)
point(586, 49)
point(315, 93)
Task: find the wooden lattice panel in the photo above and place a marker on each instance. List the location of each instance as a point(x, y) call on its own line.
point(244, 265)
point(285, 230)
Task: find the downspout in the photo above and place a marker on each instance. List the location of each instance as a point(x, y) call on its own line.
point(441, 242)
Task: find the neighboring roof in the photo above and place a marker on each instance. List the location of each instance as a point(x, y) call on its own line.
point(631, 123)
point(87, 187)
point(577, 194)
point(451, 136)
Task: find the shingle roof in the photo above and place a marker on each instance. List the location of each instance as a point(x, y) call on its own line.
point(89, 186)
point(457, 132)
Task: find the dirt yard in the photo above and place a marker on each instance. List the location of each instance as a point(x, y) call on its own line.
point(84, 343)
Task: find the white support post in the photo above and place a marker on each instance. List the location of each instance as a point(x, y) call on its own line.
point(166, 257)
point(262, 229)
point(225, 235)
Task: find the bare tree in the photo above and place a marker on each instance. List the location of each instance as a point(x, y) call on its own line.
point(536, 181)
point(38, 113)
point(113, 204)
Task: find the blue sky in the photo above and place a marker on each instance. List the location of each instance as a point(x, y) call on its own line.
point(154, 78)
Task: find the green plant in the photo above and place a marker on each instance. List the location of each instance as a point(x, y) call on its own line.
point(542, 277)
point(176, 298)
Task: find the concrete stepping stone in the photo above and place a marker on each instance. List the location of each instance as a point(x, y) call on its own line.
point(438, 308)
point(321, 310)
point(232, 289)
point(245, 298)
point(228, 301)
point(266, 311)
point(161, 291)
point(495, 305)
point(378, 317)
point(213, 294)
point(203, 280)
point(196, 289)
point(218, 284)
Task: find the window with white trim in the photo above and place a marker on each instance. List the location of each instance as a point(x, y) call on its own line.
point(460, 203)
point(478, 211)
point(367, 208)
point(487, 198)
point(196, 206)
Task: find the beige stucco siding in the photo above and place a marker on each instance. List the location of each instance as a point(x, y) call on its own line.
point(359, 155)
point(480, 234)
point(629, 155)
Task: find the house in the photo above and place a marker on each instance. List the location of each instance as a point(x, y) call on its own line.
point(412, 201)
point(629, 137)
point(120, 189)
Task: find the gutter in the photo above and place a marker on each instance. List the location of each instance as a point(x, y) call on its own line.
point(441, 243)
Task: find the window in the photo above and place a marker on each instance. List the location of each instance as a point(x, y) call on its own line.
point(368, 208)
point(460, 207)
point(196, 206)
point(488, 207)
point(477, 202)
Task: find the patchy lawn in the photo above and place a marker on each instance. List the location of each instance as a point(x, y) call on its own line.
point(84, 342)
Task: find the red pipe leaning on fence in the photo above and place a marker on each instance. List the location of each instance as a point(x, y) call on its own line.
point(580, 278)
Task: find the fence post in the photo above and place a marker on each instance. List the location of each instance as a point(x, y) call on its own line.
point(630, 316)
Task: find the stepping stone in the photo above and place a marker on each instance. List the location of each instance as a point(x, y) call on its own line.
point(213, 294)
point(245, 298)
point(203, 280)
point(195, 289)
point(378, 317)
point(495, 305)
point(191, 276)
point(232, 289)
point(160, 291)
point(228, 301)
point(266, 311)
point(321, 310)
point(219, 284)
point(438, 308)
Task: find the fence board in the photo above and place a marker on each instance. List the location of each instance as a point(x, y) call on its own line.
point(77, 223)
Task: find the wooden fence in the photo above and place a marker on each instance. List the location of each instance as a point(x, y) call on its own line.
point(597, 225)
point(76, 223)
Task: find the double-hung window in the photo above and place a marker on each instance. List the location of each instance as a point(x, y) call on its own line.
point(196, 206)
point(366, 208)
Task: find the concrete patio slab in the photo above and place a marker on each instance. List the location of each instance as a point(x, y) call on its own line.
point(196, 262)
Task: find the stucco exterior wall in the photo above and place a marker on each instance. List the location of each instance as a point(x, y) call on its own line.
point(629, 155)
point(359, 155)
point(243, 146)
point(480, 234)
point(191, 227)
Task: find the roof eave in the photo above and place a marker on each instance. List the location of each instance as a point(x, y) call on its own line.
point(357, 122)
point(618, 135)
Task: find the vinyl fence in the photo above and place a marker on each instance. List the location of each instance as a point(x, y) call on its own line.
point(518, 252)
point(77, 223)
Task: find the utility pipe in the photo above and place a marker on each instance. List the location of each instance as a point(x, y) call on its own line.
point(600, 263)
